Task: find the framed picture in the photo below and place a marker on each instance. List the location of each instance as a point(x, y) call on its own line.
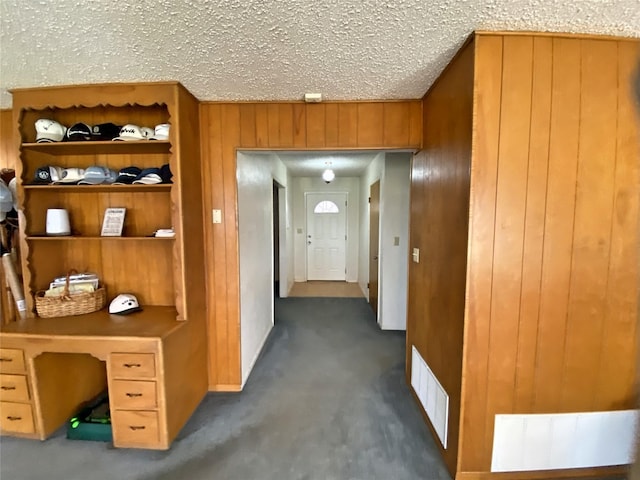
point(113, 222)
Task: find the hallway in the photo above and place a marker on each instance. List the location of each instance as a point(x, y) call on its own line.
point(327, 400)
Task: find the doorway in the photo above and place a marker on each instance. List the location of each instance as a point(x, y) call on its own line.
point(326, 236)
point(374, 244)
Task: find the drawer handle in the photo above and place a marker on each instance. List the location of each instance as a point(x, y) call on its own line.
point(131, 395)
point(4, 387)
point(137, 427)
point(132, 365)
point(13, 419)
point(5, 359)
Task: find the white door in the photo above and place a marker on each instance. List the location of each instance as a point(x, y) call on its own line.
point(326, 236)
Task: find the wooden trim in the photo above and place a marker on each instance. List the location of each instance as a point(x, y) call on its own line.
point(302, 102)
point(546, 474)
point(579, 36)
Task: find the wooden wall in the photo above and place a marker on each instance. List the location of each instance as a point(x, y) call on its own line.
point(7, 153)
point(439, 221)
point(553, 263)
point(227, 127)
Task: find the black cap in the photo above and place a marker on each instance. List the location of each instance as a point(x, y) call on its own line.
point(127, 175)
point(43, 175)
point(165, 173)
point(78, 132)
point(105, 131)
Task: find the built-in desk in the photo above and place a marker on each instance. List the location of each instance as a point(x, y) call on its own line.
point(49, 367)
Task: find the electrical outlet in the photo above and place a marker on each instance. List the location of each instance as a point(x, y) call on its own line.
point(416, 255)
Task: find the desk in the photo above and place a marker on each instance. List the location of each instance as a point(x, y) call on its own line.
point(49, 367)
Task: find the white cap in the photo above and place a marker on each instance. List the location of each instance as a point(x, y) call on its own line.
point(130, 132)
point(161, 132)
point(69, 175)
point(123, 304)
point(49, 131)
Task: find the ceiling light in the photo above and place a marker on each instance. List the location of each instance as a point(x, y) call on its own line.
point(328, 175)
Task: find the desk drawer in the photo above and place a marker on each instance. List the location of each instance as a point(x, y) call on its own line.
point(134, 429)
point(11, 360)
point(127, 365)
point(133, 394)
point(13, 388)
point(16, 417)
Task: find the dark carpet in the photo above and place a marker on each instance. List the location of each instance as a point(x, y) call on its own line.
point(326, 400)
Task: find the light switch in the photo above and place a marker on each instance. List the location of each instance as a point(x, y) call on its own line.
point(416, 255)
point(217, 216)
point(396, 241)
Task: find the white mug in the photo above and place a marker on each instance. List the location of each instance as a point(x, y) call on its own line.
point(58, 222)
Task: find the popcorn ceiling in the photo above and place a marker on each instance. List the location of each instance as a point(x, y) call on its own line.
point(268, 49)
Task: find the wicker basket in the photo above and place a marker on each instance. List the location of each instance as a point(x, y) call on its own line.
point(68, 304)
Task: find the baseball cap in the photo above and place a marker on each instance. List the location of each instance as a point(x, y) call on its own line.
point(105, 131)
point(78, 132)
point(95, 175)
point(147, 132)
point(130, 132)
point(49, 131)
point(123, 304)
point(127, 175)
point(149, 176)
point(47, 174)
point(6, 200)
point(70, 176)
point(161, 132)
point(165, 173)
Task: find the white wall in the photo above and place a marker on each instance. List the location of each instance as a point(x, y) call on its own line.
point(370, 176)
point(255, 174)
point(394, 228)
point(301, 185)
point(393, 171)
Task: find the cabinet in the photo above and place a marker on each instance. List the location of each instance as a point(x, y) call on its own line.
point(154, 361)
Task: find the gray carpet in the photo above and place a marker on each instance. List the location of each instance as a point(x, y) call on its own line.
point(326, 400)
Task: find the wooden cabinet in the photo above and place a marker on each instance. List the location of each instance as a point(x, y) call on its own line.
point(16, 413)
point(142, 357)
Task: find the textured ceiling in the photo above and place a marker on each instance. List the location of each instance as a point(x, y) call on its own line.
point(344, 164)
point(268, 49)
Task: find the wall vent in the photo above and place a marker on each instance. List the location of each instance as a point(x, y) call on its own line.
point(433, 397)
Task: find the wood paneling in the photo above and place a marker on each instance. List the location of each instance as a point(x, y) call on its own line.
point(7, 152)
point(439, 225)
point(552, 283)
point(550, 306)
point(225, 128)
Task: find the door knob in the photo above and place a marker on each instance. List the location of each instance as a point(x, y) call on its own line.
point(375, 257)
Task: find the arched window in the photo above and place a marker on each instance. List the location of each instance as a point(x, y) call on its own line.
point(326, 206)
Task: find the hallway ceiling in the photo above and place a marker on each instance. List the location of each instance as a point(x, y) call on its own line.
point(310, 164)
point(228, 50)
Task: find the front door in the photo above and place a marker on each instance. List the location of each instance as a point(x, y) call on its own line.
point(326, 236)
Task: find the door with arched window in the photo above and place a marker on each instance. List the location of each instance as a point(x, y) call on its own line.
point(326, 236)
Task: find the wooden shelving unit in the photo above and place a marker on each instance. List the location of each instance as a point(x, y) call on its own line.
point(165, 274)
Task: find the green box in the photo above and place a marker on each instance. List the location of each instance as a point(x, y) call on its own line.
point(93, 422)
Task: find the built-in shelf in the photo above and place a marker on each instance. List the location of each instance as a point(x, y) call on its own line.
point(158, 187)
point(94, 148)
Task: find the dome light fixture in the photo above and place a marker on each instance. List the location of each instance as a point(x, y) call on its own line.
point(328, 175)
